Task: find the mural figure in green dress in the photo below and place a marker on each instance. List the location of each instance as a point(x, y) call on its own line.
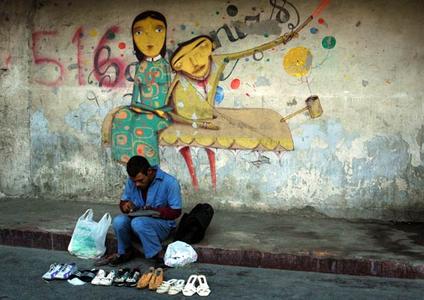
point(135, 128)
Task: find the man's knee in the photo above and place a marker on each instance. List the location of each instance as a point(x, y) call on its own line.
point(141, 224)
point(120, 221)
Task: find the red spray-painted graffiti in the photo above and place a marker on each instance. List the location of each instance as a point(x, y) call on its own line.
point(110, 72)
point(42, 60)
point(76, 39)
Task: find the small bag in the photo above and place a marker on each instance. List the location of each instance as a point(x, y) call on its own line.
point(179, 254)
point(192, 226)
point(89, 236)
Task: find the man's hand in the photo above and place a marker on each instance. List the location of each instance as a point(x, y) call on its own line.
point(126, 206)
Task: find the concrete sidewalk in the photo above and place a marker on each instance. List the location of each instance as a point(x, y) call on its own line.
point(305, 241)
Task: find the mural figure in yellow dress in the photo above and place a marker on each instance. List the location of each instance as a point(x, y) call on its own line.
point(192, 97)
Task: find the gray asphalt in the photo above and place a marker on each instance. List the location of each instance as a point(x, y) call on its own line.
point(21, 270)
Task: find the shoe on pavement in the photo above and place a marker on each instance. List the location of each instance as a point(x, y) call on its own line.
point(51, 273)
point(66, 271)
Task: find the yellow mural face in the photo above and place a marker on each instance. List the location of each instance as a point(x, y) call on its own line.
point(297, 62)
point(149, 36)
point(194, 59)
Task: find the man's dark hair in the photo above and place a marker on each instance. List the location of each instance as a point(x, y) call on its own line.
point(137, 164)
point(144, 15)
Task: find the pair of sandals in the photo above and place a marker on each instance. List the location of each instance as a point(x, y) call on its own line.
point(60, 271)
point(153, 279)
point(103, 279)
point(171, 287)
point(196, 284)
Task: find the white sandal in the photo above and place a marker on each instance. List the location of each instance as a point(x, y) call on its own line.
point(165, 286)
point(190, 288)
point(107, 281)
point(99, 277)
point(203, 288)
point(176, 287)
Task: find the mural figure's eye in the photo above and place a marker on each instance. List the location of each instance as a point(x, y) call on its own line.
point(159, 29)
point(138, 33)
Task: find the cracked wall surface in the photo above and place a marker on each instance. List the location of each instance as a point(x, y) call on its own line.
point(65, 64)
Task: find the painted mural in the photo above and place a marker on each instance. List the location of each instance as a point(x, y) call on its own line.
point(184, 113)
point(135, 128)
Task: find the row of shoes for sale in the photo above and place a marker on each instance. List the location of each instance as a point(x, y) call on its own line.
point(153, 279)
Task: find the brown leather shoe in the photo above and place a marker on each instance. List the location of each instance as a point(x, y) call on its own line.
point(104, 260)
point(120, 259)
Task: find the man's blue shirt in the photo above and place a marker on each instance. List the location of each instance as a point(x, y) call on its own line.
point(164, 191)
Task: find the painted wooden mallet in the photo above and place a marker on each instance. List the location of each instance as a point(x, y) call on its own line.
point(313, 106)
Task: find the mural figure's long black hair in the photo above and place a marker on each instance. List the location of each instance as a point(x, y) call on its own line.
point(144, 15)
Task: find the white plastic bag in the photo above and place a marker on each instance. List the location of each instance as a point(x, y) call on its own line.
point(88, 239)
point(179, 254)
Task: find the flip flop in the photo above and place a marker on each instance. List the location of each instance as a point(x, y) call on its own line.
point(176, 287)
point(165, 286)
point(143, 282)
point(156, 280)
point(190, 288)
point(203, 288)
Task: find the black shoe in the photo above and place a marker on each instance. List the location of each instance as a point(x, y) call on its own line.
point(121, 277)
point(133, 278)
point(159, 263)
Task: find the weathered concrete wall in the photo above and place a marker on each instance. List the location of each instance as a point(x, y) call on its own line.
point(362, 158)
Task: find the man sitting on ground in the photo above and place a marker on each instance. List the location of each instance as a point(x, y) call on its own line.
point(147, 188)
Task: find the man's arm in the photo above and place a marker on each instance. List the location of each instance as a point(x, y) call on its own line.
point(167, 213)
point(172, 210)
point(126, 206)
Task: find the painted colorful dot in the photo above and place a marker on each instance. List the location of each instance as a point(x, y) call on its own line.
point(329, 42)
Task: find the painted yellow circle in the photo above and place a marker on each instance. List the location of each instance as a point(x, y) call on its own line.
point(93, 32)
point(205, 140)
point(225, 141)
point(297, 62)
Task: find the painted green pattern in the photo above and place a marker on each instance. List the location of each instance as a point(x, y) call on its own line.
point(151, 83)
point(136, 133)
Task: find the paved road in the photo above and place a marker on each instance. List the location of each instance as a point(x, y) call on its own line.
point(21, 270)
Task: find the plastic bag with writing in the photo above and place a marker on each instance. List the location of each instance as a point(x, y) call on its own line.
point(179, 254)
point(89, 236)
